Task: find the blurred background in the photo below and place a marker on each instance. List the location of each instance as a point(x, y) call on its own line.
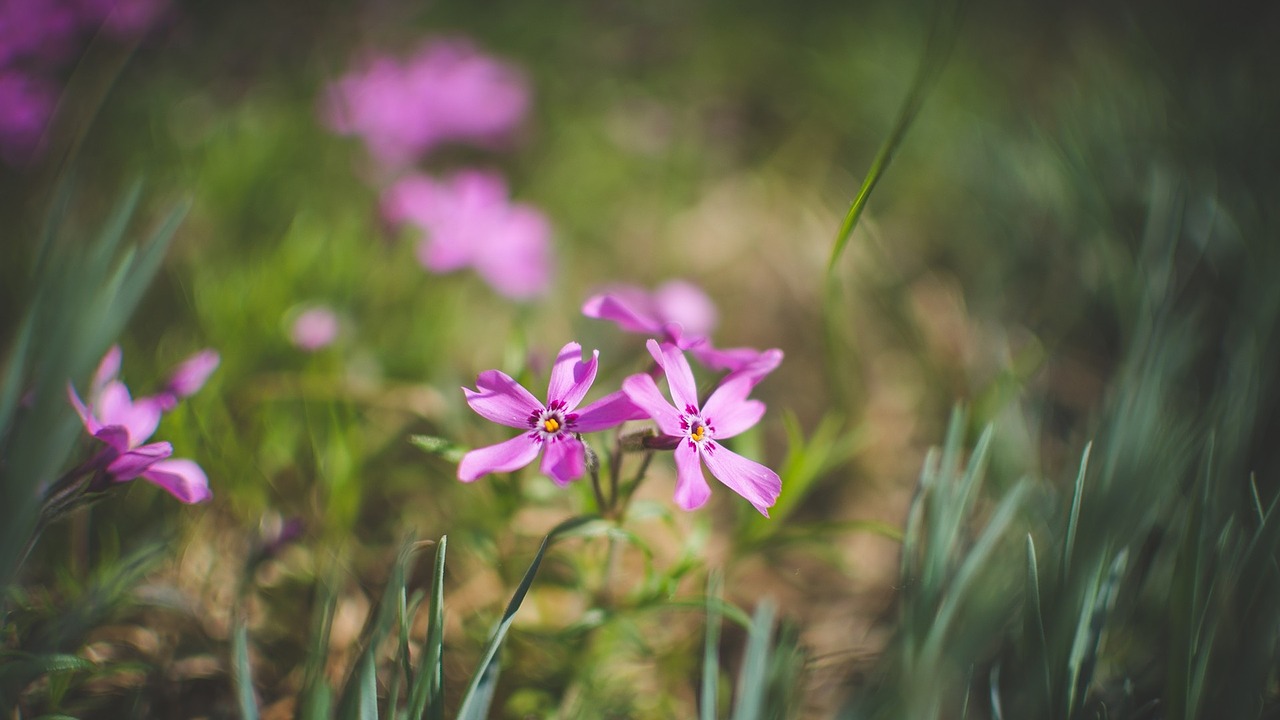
point(1075, 241)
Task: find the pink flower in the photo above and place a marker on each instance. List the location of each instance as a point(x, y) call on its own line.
point(26, 104)
point(448, 91)
point(696, 427)
point(125, 425)
point(187, 379)
point(678, 312)
point(314, 328)
point(468, 221)
point(551, 428)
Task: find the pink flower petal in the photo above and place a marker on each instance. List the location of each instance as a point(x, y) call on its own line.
point(691, 486)
point(571, 378)
point(679, 375)
point(115, 436)
point(129, 465)
point(628, 306)
point(610, 411)
point(91, 423)
point(685, 303)
point(107, 371)
point(733, 419)
point(503, 457)
point(182, 478)
point(643, 391)
point(501, 399)
point(192, 373)
point(753, 481)
point(515, 258)
point(732, 359)
point(563, 460)
point(115, 407)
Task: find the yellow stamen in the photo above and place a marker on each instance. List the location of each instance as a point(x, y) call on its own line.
point(551, 425)
point(697, 433)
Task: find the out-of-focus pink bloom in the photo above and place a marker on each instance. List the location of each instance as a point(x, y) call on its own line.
point(447, 92)
point(314, 329)
point(469, 221)
point(550, 428)
point(122, 18)
point(40, 30)
point(678, 312)
point(124, 425)
point(26, 105)
point(696, 426)
point(188, 378)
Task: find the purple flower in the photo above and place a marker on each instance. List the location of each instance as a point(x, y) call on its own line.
point(314, 328)
point(26, 105)
point(469, 221)
point(678, 312)
point(550, 428)
point(448, 91)
point(188, 378)
point(125, 425)
point(696, 427)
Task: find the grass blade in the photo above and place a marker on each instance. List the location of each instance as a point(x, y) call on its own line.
point(479, 693)
point(242, 673)
point(752, 685)
point(711, 650)
point(426, 693)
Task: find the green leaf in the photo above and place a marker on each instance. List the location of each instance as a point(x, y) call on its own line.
point(752, 687)
point(479, 693)
point(426, 693)
point(711, 650)
point(242, 673)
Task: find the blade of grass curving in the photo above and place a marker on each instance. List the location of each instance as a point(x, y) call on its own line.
point(1036, 615)
point(942, 35)
point(1093, 620)
point(711, 650)
point(426, 692)
point(316, 695)
point(959, 590)
point(368, 704)
point(997, 708)
point(1073, 520)
point(242, 673)
point(355, 697)
point(475, 701)
point(404, 671)
point(114, 230)
point(752, 688)
point(960, 499)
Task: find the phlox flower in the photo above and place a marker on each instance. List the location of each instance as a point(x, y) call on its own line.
point(468, 220)
point(448, 91)
point(314, 328)
point(678, 312)
point(696, 428)
point(124, 425)
point(549, 428)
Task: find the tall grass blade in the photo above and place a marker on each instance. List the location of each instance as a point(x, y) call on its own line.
point(479, 692)
point(1073, 519)
point(711, 650)
point(242, 673)
point(426, 691)
point(752, 687)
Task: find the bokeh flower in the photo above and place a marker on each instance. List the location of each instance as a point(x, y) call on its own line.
point(678, 312)
point(696, 426)
point(448, 91)
point(551, 428)
point(26, 105)
point(112, 416)
point(314, 328)
point(468, 220)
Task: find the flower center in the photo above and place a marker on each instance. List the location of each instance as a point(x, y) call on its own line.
point(700, 430)
point(551, 422)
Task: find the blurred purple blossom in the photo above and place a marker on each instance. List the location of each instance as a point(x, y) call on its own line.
point(124, 425)
point(314, 328)
point(468, 220)
point(697, 426)
point(551, 429)
point(448, 91)
point(25, 107)
point(678, 312)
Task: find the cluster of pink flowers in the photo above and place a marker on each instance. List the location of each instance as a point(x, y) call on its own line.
point(37, 39)
point(124, 425)
point(691, 427)
point(448, 92)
